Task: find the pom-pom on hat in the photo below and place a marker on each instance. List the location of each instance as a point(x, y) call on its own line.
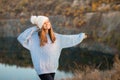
point(38, 20)
point(33, 19)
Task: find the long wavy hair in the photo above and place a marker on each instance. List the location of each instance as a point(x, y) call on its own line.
point(43, 37)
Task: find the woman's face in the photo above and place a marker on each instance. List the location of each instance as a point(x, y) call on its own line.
point(47, 25)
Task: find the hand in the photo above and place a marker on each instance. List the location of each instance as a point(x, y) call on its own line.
point(85, 36)
point(38, 29)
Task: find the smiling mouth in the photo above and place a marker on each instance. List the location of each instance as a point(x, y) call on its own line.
point(46, 29)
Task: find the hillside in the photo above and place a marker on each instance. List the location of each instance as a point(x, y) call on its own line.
point(69, 8)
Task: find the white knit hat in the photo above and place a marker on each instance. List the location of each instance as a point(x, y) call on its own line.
point(38, 20)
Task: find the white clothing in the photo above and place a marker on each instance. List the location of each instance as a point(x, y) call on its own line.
point(46, 58)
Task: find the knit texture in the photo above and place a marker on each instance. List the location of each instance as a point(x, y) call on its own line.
point(46, 58)
point(38, 20)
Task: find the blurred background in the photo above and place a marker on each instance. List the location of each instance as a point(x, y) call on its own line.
point(96, 58)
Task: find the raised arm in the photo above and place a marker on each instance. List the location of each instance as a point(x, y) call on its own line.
point(71, 40)
point(25, 36)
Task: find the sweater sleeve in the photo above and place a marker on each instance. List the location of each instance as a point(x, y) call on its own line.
point(70, 40)
point(25, 36)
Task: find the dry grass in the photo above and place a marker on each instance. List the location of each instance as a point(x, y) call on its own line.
point(95, 74)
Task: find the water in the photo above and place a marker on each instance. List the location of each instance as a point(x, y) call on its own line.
point(8, 72)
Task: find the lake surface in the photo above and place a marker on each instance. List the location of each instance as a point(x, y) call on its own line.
point(13, 72)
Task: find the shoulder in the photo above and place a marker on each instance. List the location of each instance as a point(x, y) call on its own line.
point(57, 34)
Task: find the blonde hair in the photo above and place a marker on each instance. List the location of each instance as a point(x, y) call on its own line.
point(43, 37)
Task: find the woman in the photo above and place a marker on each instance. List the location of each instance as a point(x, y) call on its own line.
point(45, 45)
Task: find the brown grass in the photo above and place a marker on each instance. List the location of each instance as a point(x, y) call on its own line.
point(95, 74)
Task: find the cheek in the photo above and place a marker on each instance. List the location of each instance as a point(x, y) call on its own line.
point(49, 27)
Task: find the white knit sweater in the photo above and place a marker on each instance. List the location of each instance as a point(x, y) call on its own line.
point(46, 58)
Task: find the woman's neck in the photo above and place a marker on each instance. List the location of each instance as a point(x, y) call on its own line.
point(46, 31)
